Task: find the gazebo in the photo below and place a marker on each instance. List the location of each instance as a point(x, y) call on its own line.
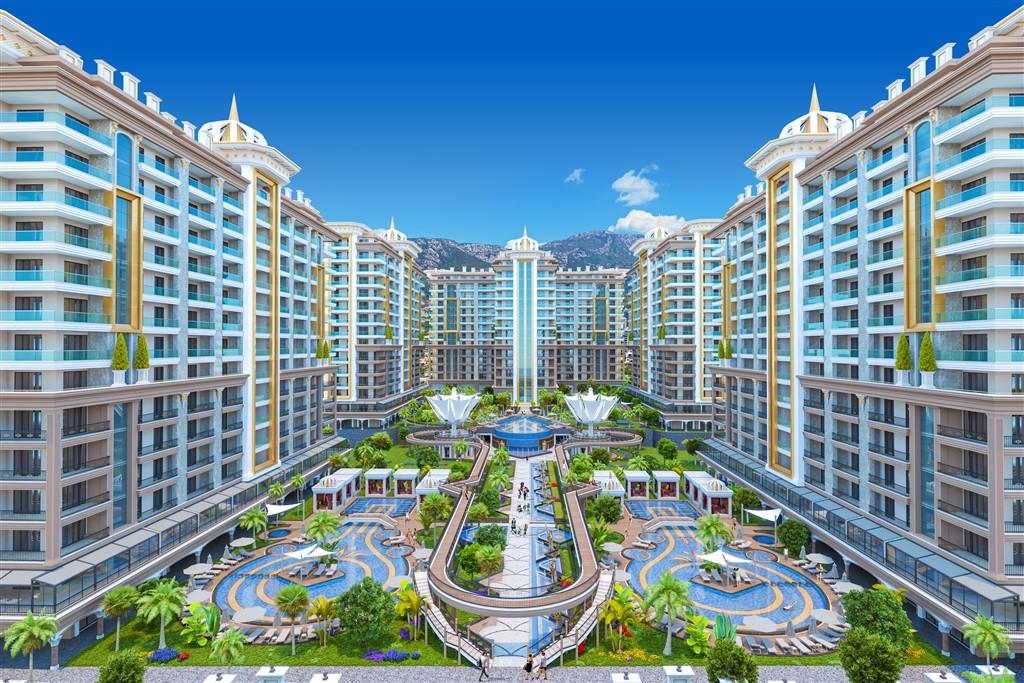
point(710, 495)
point(333, 491)
point(610, 485)
point(405, 481)
point(431, 483)
point(637, 484)
point(378, 481)
point(666, 484)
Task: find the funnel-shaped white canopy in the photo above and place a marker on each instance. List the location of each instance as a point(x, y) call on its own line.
point(590, 408)
point(453, 408)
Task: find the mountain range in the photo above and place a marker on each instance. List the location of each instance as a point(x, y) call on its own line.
point(598, 248)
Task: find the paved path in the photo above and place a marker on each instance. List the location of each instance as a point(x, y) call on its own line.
point(438, 674)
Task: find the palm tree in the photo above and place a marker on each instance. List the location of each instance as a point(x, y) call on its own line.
point(460, 447)
point(409, 605)
point(621, 610)
point(292, 601)
point(228, 647)
point(276, 490)
point(321, 525)
point(988, 636)
point(324, 610)
point(366, 454)
point(30, 634)
point(490, 559)
point(600, 534)
point(118, 603)
point(163, 602)
point(500, 457)
point(255, 521)
point(712, 530)
point(298, 482)
point(434, 507)
point(671, 597)
point(337, 460)
point(499, 479)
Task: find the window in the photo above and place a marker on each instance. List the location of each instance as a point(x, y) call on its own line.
point(124, 161)
point(923, 151)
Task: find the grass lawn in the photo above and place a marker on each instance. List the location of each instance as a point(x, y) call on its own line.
point(297, 514)
point(397, 456)
point(340, 650)
point(683, 460)
point(615, 537)
point(645, 647)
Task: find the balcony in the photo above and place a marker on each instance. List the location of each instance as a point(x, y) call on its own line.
point(996, 107)
point(62, 120)
point(978, 518)
point(200, 407)
point(167, 505)
point(887, 419)
point(887, 451)
point(154, 163)
point(963, 434)
point(22, 556)
point(889, 484)
point(22, 514)
point(1006, 193)
point(73, 430)
point(157, 447)
point(962, 551)
point(1013, 440)
point(1000, 230)
point(975, 477)
point(54, 276)
point(886, 515)
point(55, 236)
point(200, 490)
point(202, 434)
point(72, 507)
point(88, 539)
point(74, 467)
point(980, 273)
point(1014, 484)
point(158, 415)
point(845, 467)
point(23, 434)
point(851, 409)
point(156, 479)
point(200, 462)
point(848, 439)
point(973, 315)
point(192, 182)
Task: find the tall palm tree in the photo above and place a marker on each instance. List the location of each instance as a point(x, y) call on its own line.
point(163, 602)
point(988, 636)
point(228, 647)
point(599, 534)
point(409, 605)
point(117, 603)
point(460, 447)
point(712, 530)
point(434, 507)
point(276, 490)
point(321, 525)
point(298, 482)
point(499, 479)
point(671, 597)
point(324, 610)
point(490, 558)
point(366, 454)
point(292, 601)
point(337, 460)
point(30, 634)
point(255, 521)
point(500, 457)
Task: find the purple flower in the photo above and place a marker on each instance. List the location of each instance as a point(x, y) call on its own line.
point(163, 655)
point(403, 633)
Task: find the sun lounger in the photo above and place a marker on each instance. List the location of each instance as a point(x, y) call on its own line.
point(716, 576)
point(752, 644)
point(824, 642)
point(783, 644)
point(282, 636)
point(810, 643)
point(268, 635)
point(251, 636)
point(801, 648)
point(319, 571)
point(294, 570)
point(769, 646)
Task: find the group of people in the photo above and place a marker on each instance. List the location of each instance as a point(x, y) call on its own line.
point(523, 492)
point(519, 529)
point(535, 669)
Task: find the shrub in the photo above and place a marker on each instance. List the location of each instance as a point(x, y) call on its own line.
point(123, 667)
point(425, 457)
point(141, 354)
point(490, 498)
point(793, 535)
point(492, 534)
point(328, 430)
point(606, 508)
point(729, 660)
point(745, 498)
point(667, 448)
point(120, 360)
point(869, 658)
point(365, 611)
point(403, 433)
point(903, 361)
point(879, 611)
point(382, 441)
point(477, 512)
point(721, 350)
point(926, 356)
point(468, 560)
point(460, 470)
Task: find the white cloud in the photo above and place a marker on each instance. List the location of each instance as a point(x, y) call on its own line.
point(635, 188)
point(639, 221)
point(576, 177)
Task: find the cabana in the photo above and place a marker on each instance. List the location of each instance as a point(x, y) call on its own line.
point(333, 491)
point(405, 481)
point(666, 484)
point(610, 485)
point(637, 484)
point(378, 481)
point(710, 495)
point(431, 483)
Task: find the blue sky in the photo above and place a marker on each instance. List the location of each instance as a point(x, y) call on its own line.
point(465, 120)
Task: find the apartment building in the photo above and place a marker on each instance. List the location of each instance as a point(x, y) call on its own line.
point(673, 313)
point(379, 324)
point(905, 220)
point(116, 219)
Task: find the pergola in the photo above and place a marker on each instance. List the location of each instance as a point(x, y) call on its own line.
point(666, 484)
point(378, 481)
point(405, 481)
point(333, 491)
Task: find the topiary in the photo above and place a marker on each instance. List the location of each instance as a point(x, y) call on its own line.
point(142, 354)
point(728, 349)
point(903, 360)
point(661, 333)
point(926, 355)
point(721, 350)
point(120, 360)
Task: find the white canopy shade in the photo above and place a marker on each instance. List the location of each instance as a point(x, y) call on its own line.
point(422, 554)
point(242, 542)
point(770, 515)
point(198, 568)
point(590, 408)
point(622, 576)
point(826, 616)
point(612, 547)
point(454, 408)
point(249, 614)
point(278, 509)
point(844, 587)
point(297, 554)
point(198, 596)
point(760, 624)
point(720, 558)
point(317, 551)
point(818, 558)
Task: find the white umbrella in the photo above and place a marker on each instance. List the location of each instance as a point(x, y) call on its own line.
point(720, 558)
point(422, 554)
point(198, 596)
point(844, 587)
point(803, 553)
point(826, 616)
point(242, 542)
point(621, 576)
point(818, 558)
point(209, 559)
point(197, 568)
point(832, 573)
point(760, 624)
point(612, 547)
point(790, 629)
point(249, 614)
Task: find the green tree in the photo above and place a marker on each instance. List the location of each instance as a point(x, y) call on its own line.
point(403, 433)
point(367, 455)
point(620, 613)
point(409, 605)
point(988, 636)
point(491, 498)
point(292, 601)
point(661, 333)
point(29, 634)
point(721, 350)
point(477, 513)
point(712, 531)
point(671, 597)
point(322, 525)
point(730, 661)
point(229, 648)
point(697, 632)
point(605, 507)
point(903, 360)
point(123, 667)
point(297, 482)
point(601, 456)
point(120, 359)
point(599, 534)
point(163, 603)
point(382, 441)
point(793, 535)
point(879, 611)
point(276, 490)
point(460, 447)
point(433, 508)
point(254, 521)
point(468, 560)
point(141, 353)
point(492, 534)
point(691, 446)
point(667, 448)
point(499, 479)
point(365, 611)
point(324, 610)
point(337, 461)
point(926, 355)
point(117, 604)
point(744, 498)
point(500, 457)
point(490, 559)
point(869, 658)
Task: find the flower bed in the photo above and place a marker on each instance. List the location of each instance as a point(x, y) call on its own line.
point(390, 656)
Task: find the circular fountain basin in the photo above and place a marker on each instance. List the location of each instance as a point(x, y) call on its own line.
point(523, 434)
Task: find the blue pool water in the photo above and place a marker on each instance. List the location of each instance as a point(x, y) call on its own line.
point(783, 586)
point(649, 509)
point(396, 507)
point(761, 538)
point(522, 434)
point(279, 533)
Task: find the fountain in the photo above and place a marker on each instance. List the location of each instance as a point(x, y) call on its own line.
point(590, 408)
point(453, 408)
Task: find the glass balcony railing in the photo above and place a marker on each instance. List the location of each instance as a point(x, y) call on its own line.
point(978, 150)
point(53, 276)
point(885, 288)
point(158, 197)
point(980, 191)
point(843, 237)
point(979, 232)
point(162, 229)
point(980, 314)
point(53, 316)
point(814, 195)
point(886, 158)
point(55, 117)
point(160, 291)
point(55, 157)
point(197, 240)
point(842, 180)
point(985, 356)
point(54, 236)
point(231, 201)
point(57, 197)
point(199, 213)
point(885, 190)
point(202, 187)
point(979, 274)
point(843, 208)
point(978, 109)
point(160, 260)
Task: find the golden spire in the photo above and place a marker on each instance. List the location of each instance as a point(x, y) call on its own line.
point(815, 121)
point(392, 224)
point(233, 114)
point(814, 99)
point(232, 132)
point(524, 230)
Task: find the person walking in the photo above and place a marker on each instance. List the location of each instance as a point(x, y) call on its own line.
point(542, 665)
point(485, 666)
point(513, 525)
point(528, 667)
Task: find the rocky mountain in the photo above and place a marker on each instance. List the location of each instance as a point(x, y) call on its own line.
point(594, 248)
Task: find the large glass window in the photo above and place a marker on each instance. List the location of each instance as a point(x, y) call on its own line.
point(926, 447)
point(923, 151)
point(125, 158)
point(120, 492)
point(525, 333)
point(924, 255)
point(122, 262)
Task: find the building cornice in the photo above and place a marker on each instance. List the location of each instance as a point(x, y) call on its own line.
point(940, 398)
point(737, 212)
point(50, 400)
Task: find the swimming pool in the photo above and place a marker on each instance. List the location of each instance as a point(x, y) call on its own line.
point(383, 505)
point(767, 540)
point(278, 533)
point(523, 433)
point(649, 509)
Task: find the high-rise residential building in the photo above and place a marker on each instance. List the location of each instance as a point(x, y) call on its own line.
point(673, 313)
point(117, 221)
point(379, 324)
point(905, 221)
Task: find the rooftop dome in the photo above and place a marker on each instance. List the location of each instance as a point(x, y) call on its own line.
point(392, 234)
point(817, 122)
point(524, 243)
point(233, 130)
point(658, 232)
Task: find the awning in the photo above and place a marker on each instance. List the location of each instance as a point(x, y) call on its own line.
point(910, 548)
point(135, 538)
point(770, 515)
point(846, 514)
point(103, 554)
point(278, 509)
point(984, 588)
point(943, 566)
point(19, 577)
point(63, 573)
